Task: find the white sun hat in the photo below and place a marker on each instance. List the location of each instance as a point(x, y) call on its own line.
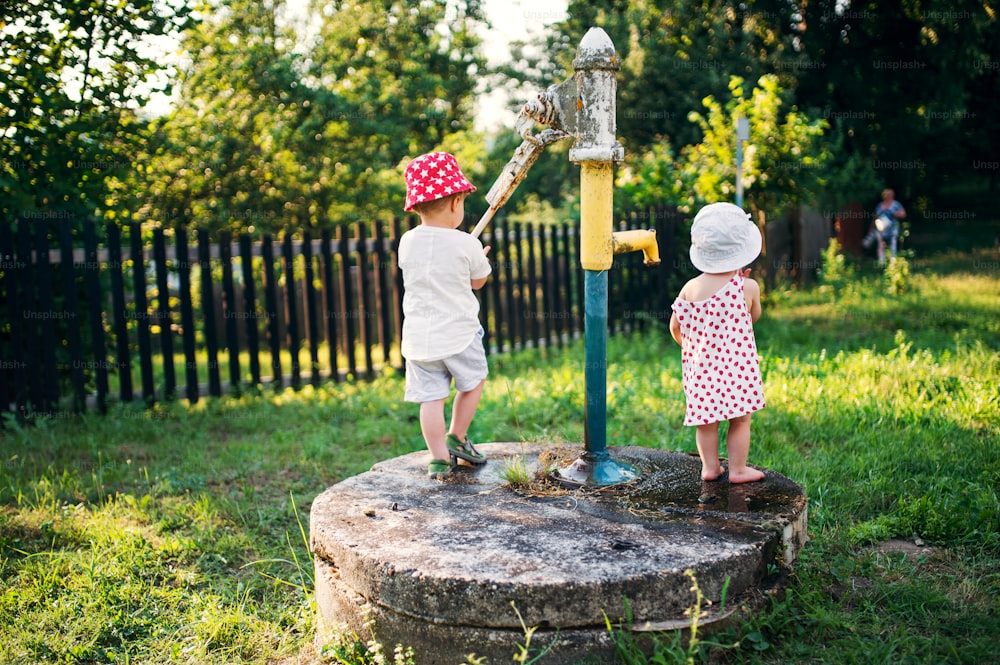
point(723, 238)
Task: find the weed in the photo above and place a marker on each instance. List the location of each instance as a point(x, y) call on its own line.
point(515, 472)
point(835, 272)
point(524, 654)
point(673, 648)
point(348, 648)
point(897, 274)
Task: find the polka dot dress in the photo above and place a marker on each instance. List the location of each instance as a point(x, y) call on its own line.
point(719, 361)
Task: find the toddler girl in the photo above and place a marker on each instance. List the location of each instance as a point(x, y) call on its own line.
point(713, 320)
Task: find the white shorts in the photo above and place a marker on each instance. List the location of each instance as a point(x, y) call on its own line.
point(428, 381)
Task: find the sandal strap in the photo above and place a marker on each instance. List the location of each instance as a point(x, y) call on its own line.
point(464, 449)
point(469, 448)
point(439, 468)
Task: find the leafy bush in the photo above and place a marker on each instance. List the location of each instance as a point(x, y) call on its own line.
point(835, 272)
point(897, 275)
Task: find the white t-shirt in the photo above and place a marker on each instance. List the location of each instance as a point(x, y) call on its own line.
point(440, 310)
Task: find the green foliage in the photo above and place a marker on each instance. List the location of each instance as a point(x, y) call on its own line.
point(274, 133)
point(946, 513)
point(347, 648)
point(71, 79)
point(677, 648)
point(653, 178)
point(897, 77)
point(526, 655)
point(516, 473)
point(897, 275)
point(836, 273)
point(783, 162)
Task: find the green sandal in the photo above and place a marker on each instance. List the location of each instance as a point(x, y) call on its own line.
point(438, 468)
point(464, 450)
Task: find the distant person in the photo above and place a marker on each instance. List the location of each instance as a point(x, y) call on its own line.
point(442, 338)
point(712, 320)
point(885, 224)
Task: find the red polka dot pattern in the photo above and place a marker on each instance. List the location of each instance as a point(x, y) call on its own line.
point(719, 362)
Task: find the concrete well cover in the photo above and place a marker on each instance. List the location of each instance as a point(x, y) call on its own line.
point(466, 551)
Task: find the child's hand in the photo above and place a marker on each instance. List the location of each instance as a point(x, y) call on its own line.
point(486, 250)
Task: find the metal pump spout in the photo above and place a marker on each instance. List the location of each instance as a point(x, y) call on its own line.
point(637, 240)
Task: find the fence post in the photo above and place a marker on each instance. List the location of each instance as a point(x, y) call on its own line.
point(382, 269)
point(50, 376)
point(250, 307)
point(73, 307)
point(330, 292)
point(124, 363)
point(92, 281)
point(271, 302)
point(142, 315)
point(347, 298)
point(208, 312)
point(364, 301)
point(187, 316)
point(12, 279)
point(291, 312)
point(309, 293)
point(229, 310)
point(163, 315)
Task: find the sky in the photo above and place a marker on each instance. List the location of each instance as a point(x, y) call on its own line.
point(511, 20)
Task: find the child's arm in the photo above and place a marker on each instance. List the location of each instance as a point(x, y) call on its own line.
point(481, 282)
point(751, 289)
point(675, 327)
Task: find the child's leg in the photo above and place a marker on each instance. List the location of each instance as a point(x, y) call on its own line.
point(738, 448)
point(432, 427)
point(707, 438)
point(464, 409)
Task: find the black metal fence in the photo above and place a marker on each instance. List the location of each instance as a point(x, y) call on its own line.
point(91, 315)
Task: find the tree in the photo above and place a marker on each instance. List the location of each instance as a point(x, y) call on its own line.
point(675, 53)
point(785, 159)
point(73, 79)
point(898, 77)
point(407, 72)
point(228, 155)
point(275, 132)
point(891, 78)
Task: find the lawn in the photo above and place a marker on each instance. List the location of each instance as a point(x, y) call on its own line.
point(177, 534)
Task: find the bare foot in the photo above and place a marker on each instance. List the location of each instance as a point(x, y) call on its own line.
point(748, 475)
point(713, 474)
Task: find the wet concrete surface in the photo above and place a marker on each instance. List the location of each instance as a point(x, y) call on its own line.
point(442, 566)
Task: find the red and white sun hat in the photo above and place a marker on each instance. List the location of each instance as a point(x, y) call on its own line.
point(434, 176)
point(723, 238)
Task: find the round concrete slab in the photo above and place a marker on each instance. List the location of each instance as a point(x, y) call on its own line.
point(452, 568)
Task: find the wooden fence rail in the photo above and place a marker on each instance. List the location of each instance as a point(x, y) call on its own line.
point(158, 315)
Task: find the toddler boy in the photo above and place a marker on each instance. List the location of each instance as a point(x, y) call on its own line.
point(442, 337)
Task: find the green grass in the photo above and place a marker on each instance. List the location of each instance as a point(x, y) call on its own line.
point(177, 534)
